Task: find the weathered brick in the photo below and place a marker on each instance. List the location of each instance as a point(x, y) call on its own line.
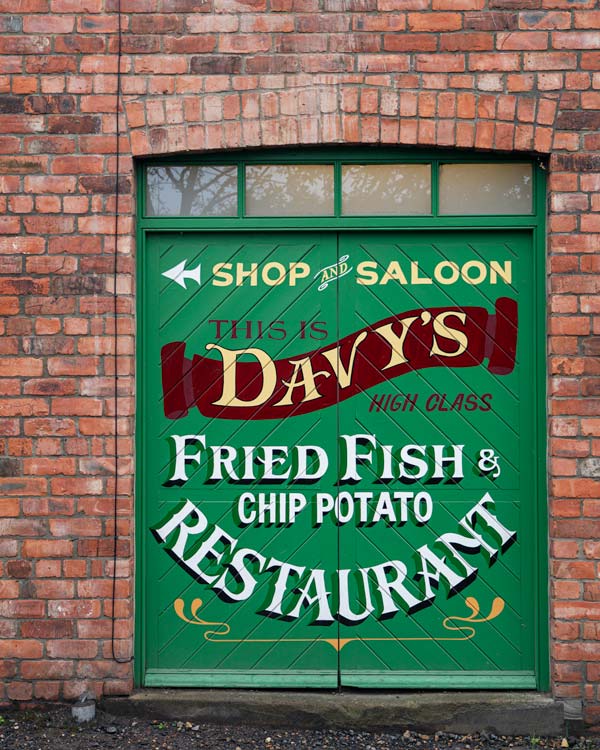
point(578, 120)
point(19, 691)
point(20, 649)
point(47, 670)
point(73, 649)
point(9, 467)
point(434, 21)
point(75, 609)
point(47, 548)
point(50, 103)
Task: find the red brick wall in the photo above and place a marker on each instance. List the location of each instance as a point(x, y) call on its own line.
point(506, 75)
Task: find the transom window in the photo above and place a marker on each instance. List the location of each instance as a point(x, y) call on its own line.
point(339, 188)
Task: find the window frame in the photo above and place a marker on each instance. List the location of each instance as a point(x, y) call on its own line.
point(337, 157)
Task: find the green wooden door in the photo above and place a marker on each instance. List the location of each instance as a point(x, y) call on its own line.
point(338, 459)
point(214, 465)
point(446, 459)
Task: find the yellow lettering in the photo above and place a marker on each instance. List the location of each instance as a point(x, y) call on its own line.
point(252, 274)
point(298, 271)
point(480, 269)
point(230, 356)
point(308, 382)
point(367, 273)
point(414, 274)
point(221, 277)
point(505, 272)
point(396, 342)
point(279, 271)
point(451, 334)
point(455, 273)
point(393, 272)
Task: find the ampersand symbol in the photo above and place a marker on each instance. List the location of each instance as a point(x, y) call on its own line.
point(489, 463)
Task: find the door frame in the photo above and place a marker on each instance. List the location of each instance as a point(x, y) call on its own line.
point(534, 222)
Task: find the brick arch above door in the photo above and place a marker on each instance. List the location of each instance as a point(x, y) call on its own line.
point(351, 110)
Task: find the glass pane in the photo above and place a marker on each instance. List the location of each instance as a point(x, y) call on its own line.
point(386, 189)
point(485, 189)
point(191, 191)
point(289, 190)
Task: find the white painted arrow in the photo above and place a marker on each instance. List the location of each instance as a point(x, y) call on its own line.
point(178, 274)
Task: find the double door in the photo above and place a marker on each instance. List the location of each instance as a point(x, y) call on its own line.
point(337, 460)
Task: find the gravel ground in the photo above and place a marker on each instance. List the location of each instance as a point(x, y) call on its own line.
point(54, 730)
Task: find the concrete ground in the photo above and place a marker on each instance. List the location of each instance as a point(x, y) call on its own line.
point(520, 713)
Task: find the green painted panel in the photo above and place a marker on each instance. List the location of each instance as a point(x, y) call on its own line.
point(461, 458)
point(372, 392)
point(207, 476)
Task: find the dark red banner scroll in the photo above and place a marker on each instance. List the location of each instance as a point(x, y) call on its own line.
point(246, 383)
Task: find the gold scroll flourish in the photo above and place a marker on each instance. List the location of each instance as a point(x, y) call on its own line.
point(456, 623)
point(179, 606)
point(473, 605)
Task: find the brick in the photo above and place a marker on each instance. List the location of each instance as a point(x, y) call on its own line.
point(440, 62)
point(51, 589)
point(104, 184)
point(466, 42)
point(41, 24)
point(73, 649)
point(578, 162)
point(515, 4)
point(578, 120)
point(74, 124)
point(74, 609)
point(47, 548)
point(19, 691)
point(216, 64)
point(18, 568)
point(494, 61)
point(48, 568)
point(525, 40)
point(9, 467)
point(10, 224)
point(565, 631)
point(490, 21)
point(47, 691)
point(434, 22)
point(409, 43)
point(75, 486)
point(76, 406)
point(356, 43)
point(46, 670)
point(20, 649)
point(11, 104)
point(49, 466)
point(550, 61)
point(9, 589)
point(76, 527)
point(8, 547)
point(573, 569)
point(68, 366)
point(8, 668)
point(575, 40)
point(118, 687)
point(545, 19)
point(20, 366)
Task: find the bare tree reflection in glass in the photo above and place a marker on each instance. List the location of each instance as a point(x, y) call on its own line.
point(386, 189)
point(191, 191)
point(289, 190)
